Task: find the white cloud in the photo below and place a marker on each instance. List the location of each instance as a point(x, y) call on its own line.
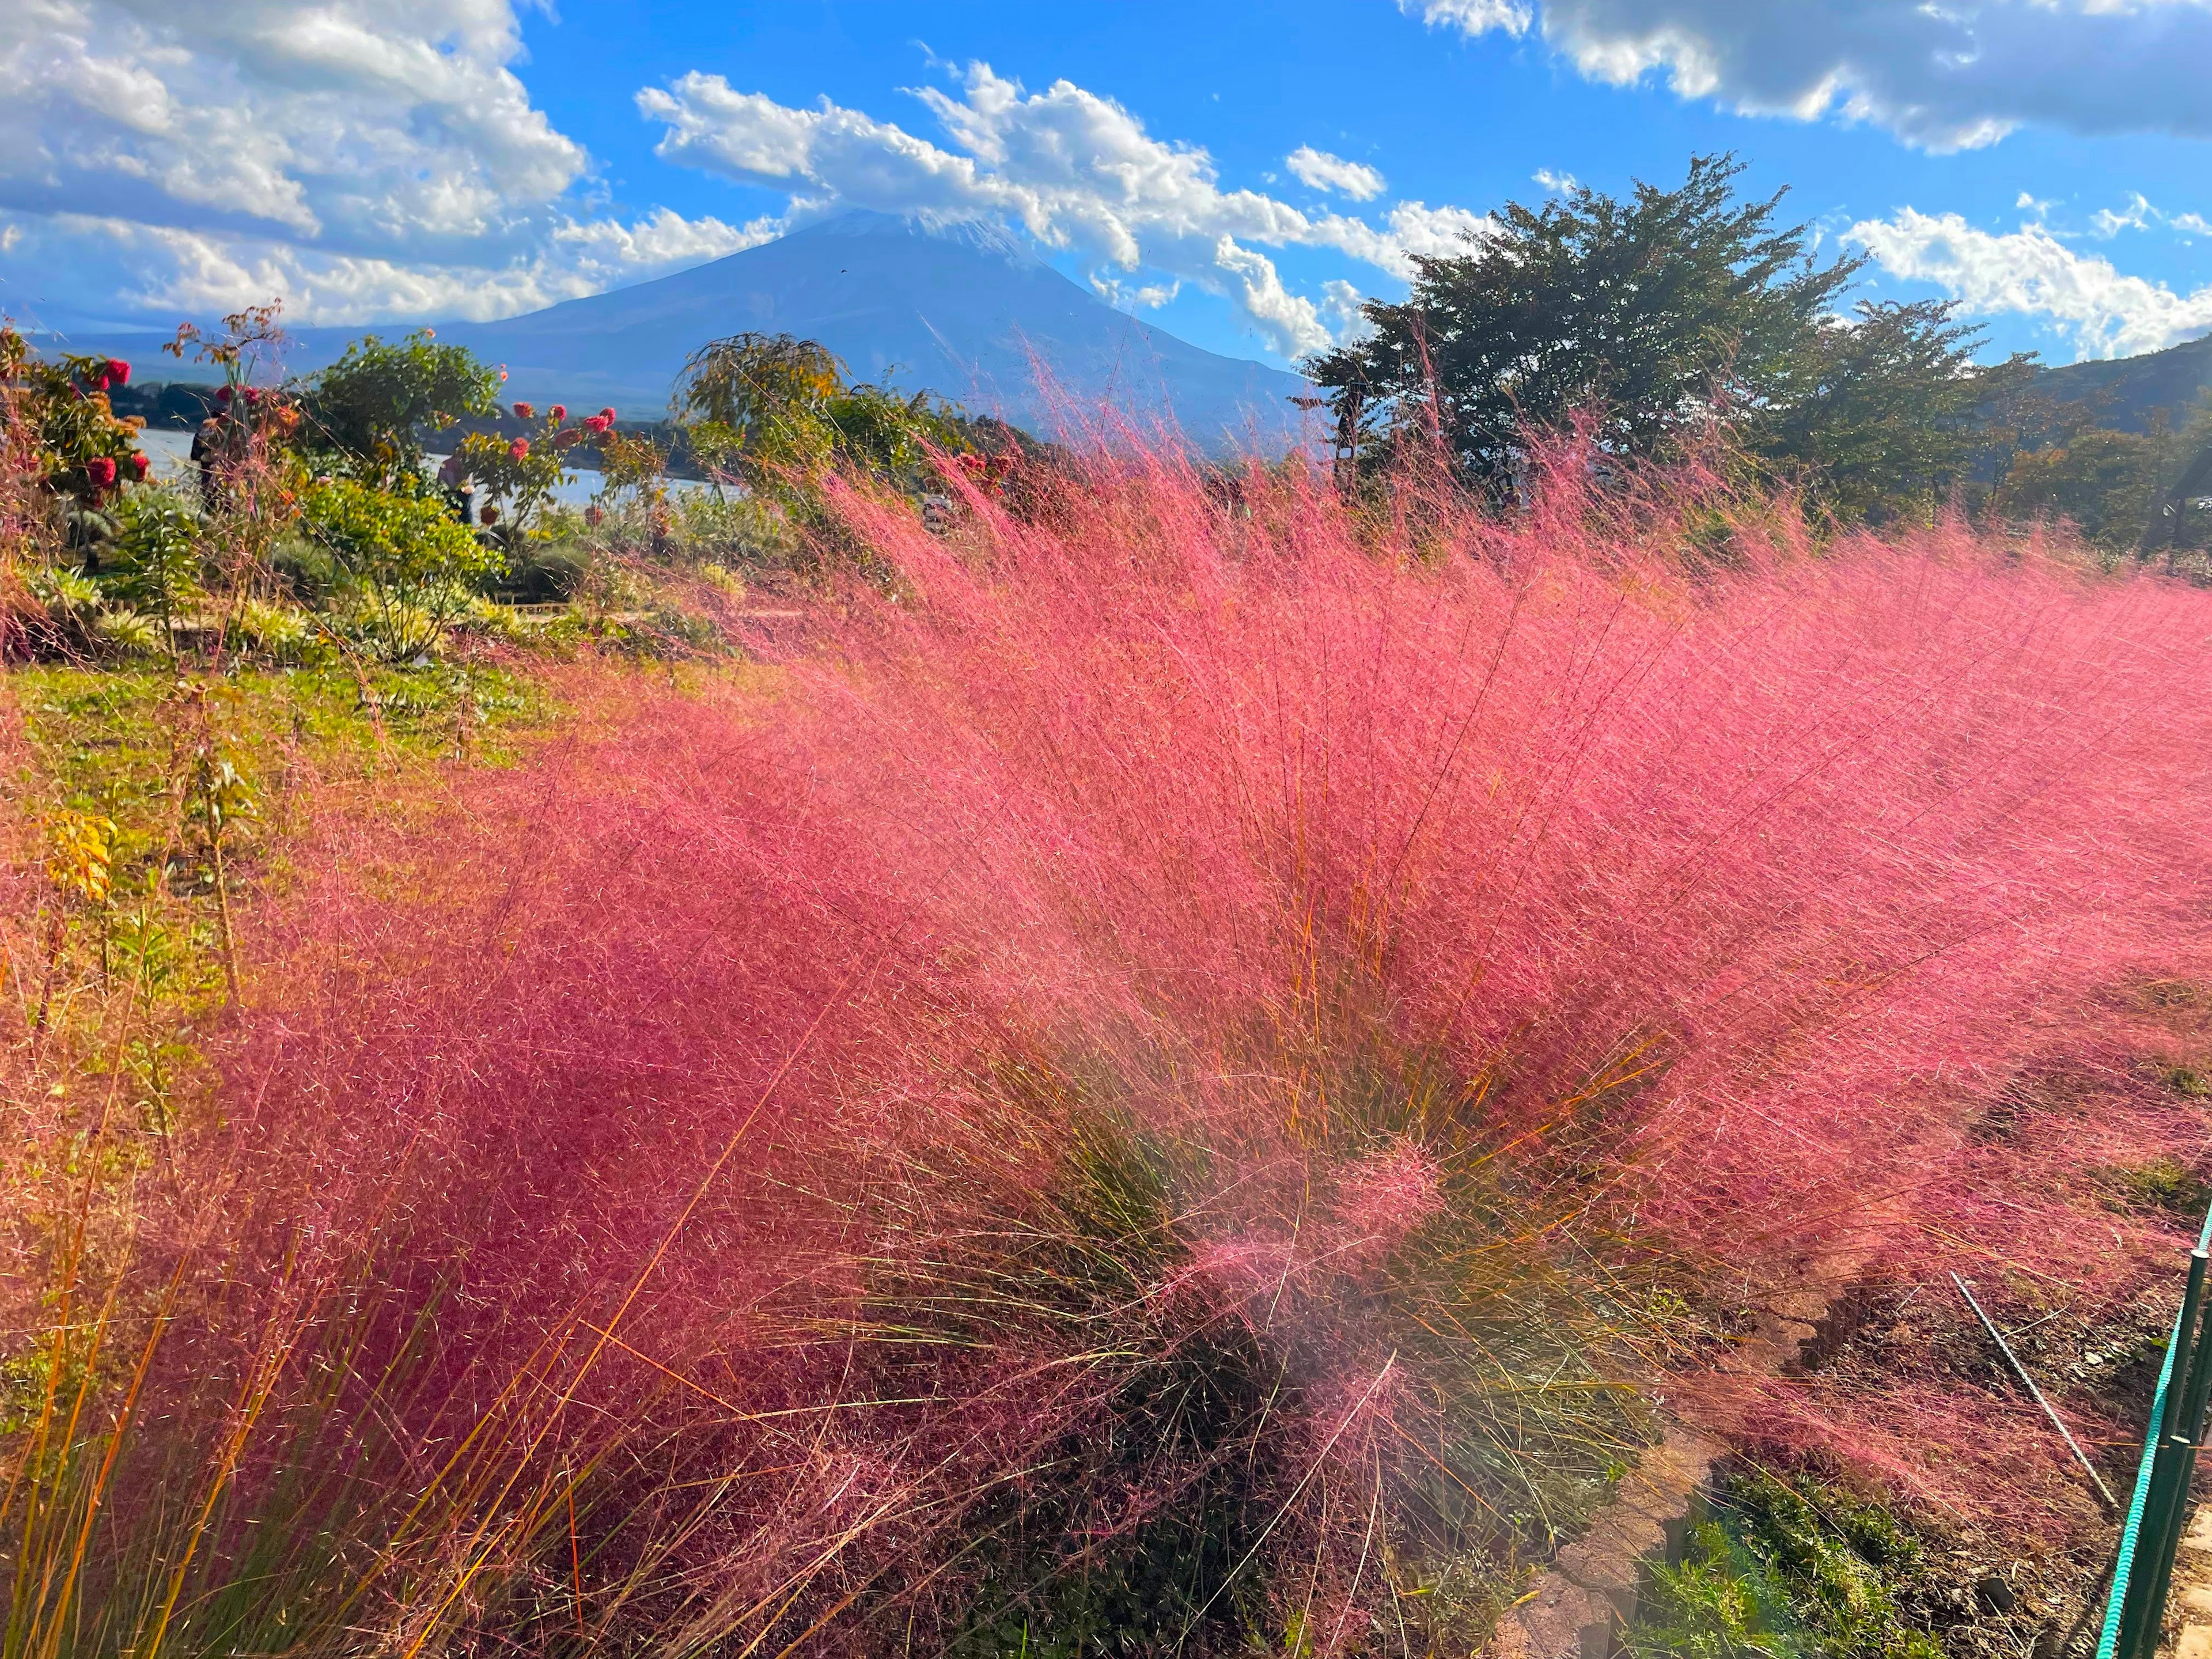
point(363, 158)
point(1319, 170)
point(1077, 172)
point(2140, 215)
point(1946, 77)
point(1559, 184)
point(1474, 16)
point(190, 272)
point(2029, 272)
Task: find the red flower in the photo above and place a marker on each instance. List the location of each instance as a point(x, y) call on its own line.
point(599, 423)
point(560, 411)
point(100, 470)
point(519, 449)
point(489, 515)
point(567, 437)
point(608, 416)
point(525, 412)
point(138, 465)
point(115, 372)
point(223, 394)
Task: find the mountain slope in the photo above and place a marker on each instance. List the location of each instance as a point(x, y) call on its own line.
point(2129, 392)
point(966, 311)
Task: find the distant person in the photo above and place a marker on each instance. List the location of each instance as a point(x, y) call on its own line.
point(207, 448)
point(460, 489)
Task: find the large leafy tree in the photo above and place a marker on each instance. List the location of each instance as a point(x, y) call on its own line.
point(764, 398)
point(1884, 413)
point(376, 405)
point(781, 409)
point(1673, 308)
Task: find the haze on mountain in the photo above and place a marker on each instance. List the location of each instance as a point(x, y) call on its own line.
point(967, 311)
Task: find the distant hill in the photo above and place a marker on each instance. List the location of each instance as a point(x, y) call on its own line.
point(967, 311)
point(2129, 392)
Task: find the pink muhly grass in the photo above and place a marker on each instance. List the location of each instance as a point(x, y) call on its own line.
point(1200, 1024)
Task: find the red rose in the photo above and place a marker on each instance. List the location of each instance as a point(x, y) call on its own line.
point(608, 416)
point(519, 449)
point(223, 394)
point(138, 465)
point(567, 437)
point(599, 423)
point(525, 412)
point(101, 472)
point(560, 411)
point(116, 371)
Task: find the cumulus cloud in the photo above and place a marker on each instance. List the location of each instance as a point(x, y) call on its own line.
point(1076, 171)
point(364, 158)
point(1319, 170)
point(1948, 76)
point(2029, 272)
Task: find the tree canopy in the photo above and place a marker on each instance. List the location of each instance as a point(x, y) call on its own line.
point(376, 404)
point(781, 409)
point(1671, 309)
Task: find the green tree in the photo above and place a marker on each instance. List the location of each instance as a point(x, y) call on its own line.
point(1667, 311)
point(411, 563)
point(1648, 313)
point(375, 405)
point(1883, 414)
point(780, 412)
point(768, 395)
point(2102, 482)
point(518, 475)
point(894, 435)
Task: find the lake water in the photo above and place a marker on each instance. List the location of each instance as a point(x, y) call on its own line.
point(168, 455)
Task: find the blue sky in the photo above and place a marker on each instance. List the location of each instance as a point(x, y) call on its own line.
point(1239, 172)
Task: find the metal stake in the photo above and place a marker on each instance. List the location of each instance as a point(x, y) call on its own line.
point(2111, 1504)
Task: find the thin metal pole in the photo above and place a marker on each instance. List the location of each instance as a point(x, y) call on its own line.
point(2020, 1370)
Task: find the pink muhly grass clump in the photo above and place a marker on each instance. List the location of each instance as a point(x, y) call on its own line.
point(1144, 1038)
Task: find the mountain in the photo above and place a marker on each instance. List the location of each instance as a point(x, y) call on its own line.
point(966, 311)
point(2129, 392)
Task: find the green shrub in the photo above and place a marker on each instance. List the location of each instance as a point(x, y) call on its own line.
point(154, 561)
point(275, 631)
point(410, 563)
point(67, 594)
point(126, 633)
point(1792, 1569)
